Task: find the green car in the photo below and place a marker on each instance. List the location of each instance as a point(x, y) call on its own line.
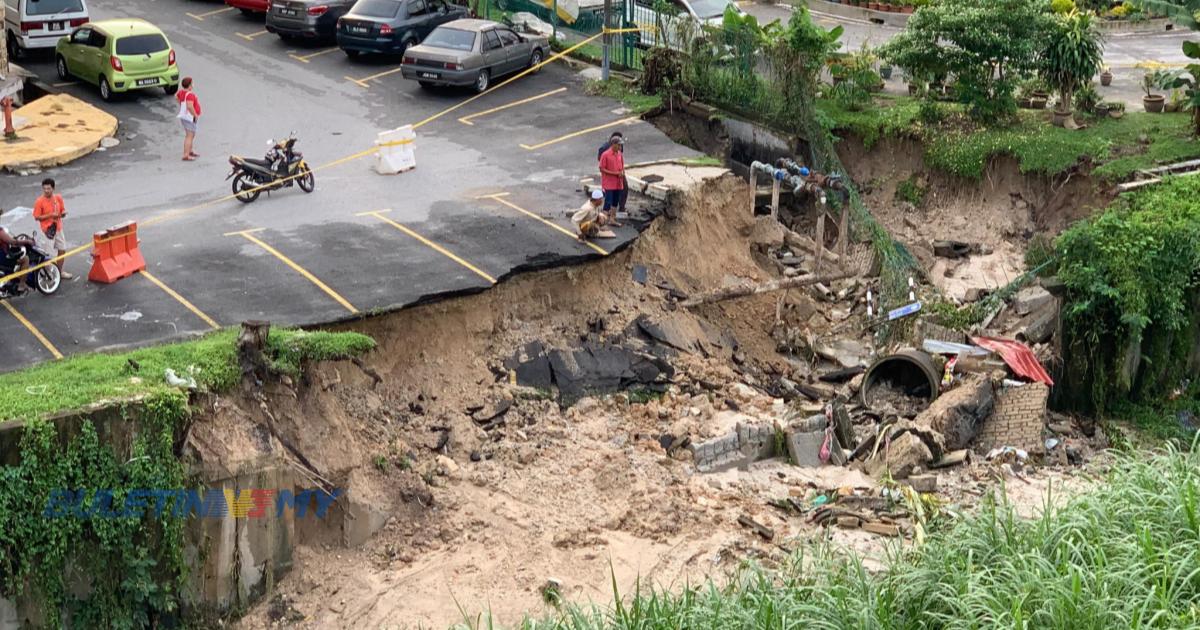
point(119, 56)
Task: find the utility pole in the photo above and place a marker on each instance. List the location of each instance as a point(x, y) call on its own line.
point(607, 39)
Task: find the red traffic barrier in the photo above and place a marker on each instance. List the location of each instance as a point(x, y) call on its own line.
point(115, 254)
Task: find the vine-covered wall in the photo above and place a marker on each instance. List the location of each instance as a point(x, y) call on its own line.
point(96, 572)
point(1131, 318)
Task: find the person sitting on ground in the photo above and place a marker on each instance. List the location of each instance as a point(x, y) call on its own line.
point(589, 219)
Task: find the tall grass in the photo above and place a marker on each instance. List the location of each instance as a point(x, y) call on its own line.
point(1125, 554)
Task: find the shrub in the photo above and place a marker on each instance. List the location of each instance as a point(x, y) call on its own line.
point(988, 45)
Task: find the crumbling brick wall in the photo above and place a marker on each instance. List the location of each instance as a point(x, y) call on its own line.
point(748, 443)
point(1018, 420)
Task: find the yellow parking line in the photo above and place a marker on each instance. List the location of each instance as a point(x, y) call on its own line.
point(209, 13)
point(434, 246)
point(305, 58)
point(247, 234)
point(623, 121)
point(179, 298)
point(63, 84)
point(250, 36)
point(499, 198)
point(363, 81)
point(33, 329)
point(466, 120)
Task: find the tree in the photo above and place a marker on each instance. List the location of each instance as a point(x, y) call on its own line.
point(1188, 78)
point(1185, 13)
point(1073, 55)
point(987, 45)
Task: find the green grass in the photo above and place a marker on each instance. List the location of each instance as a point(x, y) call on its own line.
point(964, 149)
point(628, 94)
point(1125, 554)
point(89, 378)
point(704, 160)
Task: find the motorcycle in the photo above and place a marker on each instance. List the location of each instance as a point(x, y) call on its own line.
point(46, 280)
point(282, 166)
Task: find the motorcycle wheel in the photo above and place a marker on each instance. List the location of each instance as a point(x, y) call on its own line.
point(307, 180)
point(244, 188)
point(48, 280)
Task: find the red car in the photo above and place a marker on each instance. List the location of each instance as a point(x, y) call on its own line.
point(249, 7)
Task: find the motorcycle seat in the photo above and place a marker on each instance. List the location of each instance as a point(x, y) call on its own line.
point(266, 163)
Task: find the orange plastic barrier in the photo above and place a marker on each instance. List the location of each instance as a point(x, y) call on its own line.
point(115, 254)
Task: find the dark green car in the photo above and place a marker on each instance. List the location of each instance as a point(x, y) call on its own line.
point(118, 56)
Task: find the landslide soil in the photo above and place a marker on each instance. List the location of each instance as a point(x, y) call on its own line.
point(586, 496)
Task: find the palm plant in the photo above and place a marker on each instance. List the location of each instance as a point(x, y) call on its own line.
point(1187, 79)
point(1073, 55)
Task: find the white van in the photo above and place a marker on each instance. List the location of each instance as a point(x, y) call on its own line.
point(33, 24)
point(674, 23)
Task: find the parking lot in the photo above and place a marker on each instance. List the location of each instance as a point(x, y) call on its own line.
point(487, 199)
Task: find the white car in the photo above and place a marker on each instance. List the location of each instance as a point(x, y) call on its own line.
point(33, 24)
point(674, 23)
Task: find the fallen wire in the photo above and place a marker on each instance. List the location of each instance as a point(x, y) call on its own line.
point(171, 214)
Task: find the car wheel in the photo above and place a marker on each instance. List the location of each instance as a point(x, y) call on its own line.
point(61, 65)
point(482, 81)
point(105, 89)
point(353, 54)
point(535, 58)
point(247, 12)
point(14, 49)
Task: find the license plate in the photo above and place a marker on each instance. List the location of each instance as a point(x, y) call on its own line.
point(56, 26)
point(150, 81)
point(428, 75)
point(287, 12)
point(358, 29)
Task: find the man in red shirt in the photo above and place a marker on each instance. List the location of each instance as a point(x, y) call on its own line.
point(612, 177)
point(49, 211)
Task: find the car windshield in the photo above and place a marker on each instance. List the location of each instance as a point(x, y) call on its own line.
point(52, 7)
point(709, 8)
point(451, 38)
point(376, 8)
point(141, 44)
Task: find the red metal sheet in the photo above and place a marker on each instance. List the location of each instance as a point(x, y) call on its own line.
point(1017, 356)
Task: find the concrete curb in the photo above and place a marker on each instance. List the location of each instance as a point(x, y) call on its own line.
point(55, 139)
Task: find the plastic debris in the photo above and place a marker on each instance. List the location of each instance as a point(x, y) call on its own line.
point(174, 381)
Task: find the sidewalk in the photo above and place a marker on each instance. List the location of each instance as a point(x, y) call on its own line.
point(52, 131)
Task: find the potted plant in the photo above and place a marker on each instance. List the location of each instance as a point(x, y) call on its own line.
point(1106, 77)
point(1154, 103)
point(885, 70)
point(874, 6)
point(1116, 109)
point(907, 8)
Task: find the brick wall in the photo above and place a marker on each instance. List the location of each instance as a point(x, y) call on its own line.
point(748, 443)
point(1018, 420)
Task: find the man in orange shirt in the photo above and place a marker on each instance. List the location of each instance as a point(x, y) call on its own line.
point(49, 210)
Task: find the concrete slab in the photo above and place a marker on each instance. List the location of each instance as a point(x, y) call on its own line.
point(55, 130)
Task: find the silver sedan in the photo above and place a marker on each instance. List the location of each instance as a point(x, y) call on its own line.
point(472, 52)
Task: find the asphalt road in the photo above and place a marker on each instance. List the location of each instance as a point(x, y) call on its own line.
point(304, 259)
point(1122, 50)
